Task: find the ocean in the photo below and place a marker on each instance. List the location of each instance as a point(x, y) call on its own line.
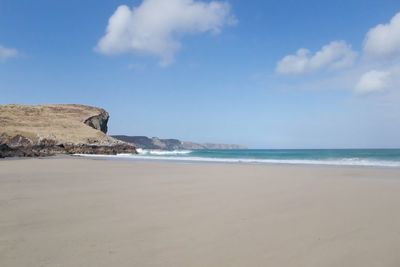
point(335, 157)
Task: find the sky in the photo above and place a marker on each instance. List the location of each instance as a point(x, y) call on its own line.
point(261, 73)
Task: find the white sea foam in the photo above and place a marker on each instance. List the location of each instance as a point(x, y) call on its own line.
point(332, 162)
point(162, 152)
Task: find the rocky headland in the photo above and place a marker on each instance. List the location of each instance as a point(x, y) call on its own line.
point(46, 130)
point(145, 142)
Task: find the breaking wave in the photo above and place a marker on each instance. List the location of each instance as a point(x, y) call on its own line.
point(169, 156)
point(162, 152)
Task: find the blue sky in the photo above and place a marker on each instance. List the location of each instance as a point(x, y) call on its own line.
point(228, 72)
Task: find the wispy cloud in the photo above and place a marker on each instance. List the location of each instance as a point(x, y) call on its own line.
point(7, 53)
point(155, 27)
point(373, 81)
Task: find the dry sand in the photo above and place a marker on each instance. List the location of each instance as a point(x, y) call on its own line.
point(83, 212)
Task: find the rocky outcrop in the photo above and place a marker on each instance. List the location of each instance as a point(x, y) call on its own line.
point(171, 144)
point(31, 131)
point(19, 141)
point(53, 150)
point(99, 122)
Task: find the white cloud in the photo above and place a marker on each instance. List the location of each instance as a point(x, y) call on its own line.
point(381, 46)
point(336, 55)
point(155, 27)
point(378, 70)
point(6, 53)
point(373, 81)
point(384, 39)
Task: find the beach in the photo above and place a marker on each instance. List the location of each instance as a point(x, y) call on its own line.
point(75, 211)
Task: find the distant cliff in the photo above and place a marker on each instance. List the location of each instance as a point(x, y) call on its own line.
point(56, 129)
point(171, 144)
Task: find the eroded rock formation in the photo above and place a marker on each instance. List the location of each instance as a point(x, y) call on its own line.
point(99, 121)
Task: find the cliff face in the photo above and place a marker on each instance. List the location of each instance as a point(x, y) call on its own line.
point(56, 129)
point(99, 122)
point(171, 144)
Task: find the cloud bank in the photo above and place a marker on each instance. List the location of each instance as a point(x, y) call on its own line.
point(155, 27)
point(6, 53)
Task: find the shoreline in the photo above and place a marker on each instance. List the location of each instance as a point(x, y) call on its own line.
point(199, 160)
point(194, 162)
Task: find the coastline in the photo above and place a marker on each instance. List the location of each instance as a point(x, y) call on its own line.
point(200, 161)
point(73, 211)
point(253, 161)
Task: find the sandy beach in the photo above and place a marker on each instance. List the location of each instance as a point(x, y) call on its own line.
point(84, 212)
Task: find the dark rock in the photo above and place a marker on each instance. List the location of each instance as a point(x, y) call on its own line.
point(20, 141)
point(47, 142)
point(45, 150)
point(101, 149)
point(99, 122)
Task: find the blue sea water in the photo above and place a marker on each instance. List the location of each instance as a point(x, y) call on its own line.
point(346, 157)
